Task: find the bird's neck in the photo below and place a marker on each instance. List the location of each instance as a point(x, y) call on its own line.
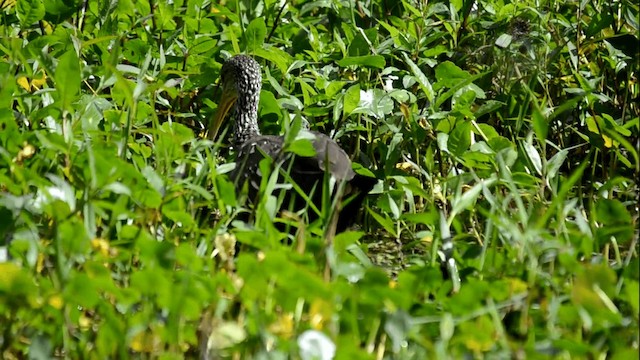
point(245, 114)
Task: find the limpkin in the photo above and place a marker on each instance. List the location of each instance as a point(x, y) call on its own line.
point(241, 81)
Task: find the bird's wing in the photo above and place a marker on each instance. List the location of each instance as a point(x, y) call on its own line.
point(305, 171)
point(330, 156)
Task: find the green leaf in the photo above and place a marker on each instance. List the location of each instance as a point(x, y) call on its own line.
point(468, 199)
point(29, 11)
point(397, 326)
point(488, 107)
point(275, 55)
point(564, 190)
point(344, 240)
point(351, 99)
point(269, 104)
point(449, 74)
point(16, 286)
point(81, 291)
point(302, 147)
point(334, 87)
point(40, 348)
point(534, 156)
point(422, 79)
point(615, 219)
point(504, 41)
point(632, 293)
point(202, 45)
point(384, 221)
point(540, 124)
point(374, 102)
point(426, 218)
point(372, 61)
point(601, 20)
point(153, 178)
point(552, 167)
point(68, 78)
point(226, 190)
point(255, 34)
point(460, 138)
point(456, 79)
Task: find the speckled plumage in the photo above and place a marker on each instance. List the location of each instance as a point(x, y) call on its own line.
point(241, 76)
point(243, 72)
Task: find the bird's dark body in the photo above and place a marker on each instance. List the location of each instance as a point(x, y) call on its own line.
point(241, 78)
point(307, 173)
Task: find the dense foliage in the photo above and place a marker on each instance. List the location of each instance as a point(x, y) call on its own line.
point(518, 121)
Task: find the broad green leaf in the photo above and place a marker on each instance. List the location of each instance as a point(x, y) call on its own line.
point(226, 190)
point(334, 87)
point(29, 11)
point(269, 104)
point(487, 131)
point(395, 210)
point(351, 99)
point(426, 218)
point(373, 61)
point(375, 103)
point(384, 221)
point(40, 348)
point(595, 126)
point(344, 240)
point(73, 239)
point(422, 79)
point(633, 294)
point(10, 137)
point(68, 78)
point(615, 219)
point(449, 74)
point(504, 41)
point(456, 79)
point(307, 92)
point(81, 291)
point(302, 147)
point(553, 165)
point(488, 107)
point(255, 34)
point(16, 286)
point(153, 178)
point(224, 335)
point(460, 138)
point(601, 20)
point(202, 45)
point(275, 55)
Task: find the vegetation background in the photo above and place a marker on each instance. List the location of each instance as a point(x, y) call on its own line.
point(518, 119)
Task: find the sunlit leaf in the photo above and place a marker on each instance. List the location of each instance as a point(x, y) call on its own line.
point(374, 61)
point(424, 82)
point(68, 77)
point(460, 138)
point(255, 34)
point(534, 156)
point(351, 99)
point(29, 11)
point(504, 41)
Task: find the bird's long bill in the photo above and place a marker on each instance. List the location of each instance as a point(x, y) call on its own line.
point(227, 101)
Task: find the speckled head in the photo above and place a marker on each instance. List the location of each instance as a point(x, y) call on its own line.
point(242, 74)
point(241, 81)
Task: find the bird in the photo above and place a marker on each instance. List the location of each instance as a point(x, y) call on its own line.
point(241, 82)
